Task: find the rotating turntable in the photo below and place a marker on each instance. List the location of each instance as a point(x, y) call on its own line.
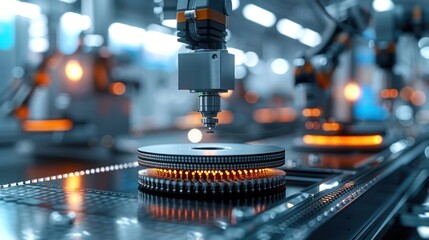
point(211, 169)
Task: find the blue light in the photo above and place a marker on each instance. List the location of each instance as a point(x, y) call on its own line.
point(7, 33)
point(367, 108)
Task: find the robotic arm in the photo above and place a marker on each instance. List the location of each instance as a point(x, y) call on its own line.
point(321, 73)
point(315, 69)
point(208, 69)
point(407, 18)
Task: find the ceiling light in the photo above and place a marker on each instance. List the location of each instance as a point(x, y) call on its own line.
point(68, 1)
point(259, 15)
point(171, 23)
point(161, 43)
point(425, 52)
point(235, 4)
point(38, 45)
point(251, 59)
point(310, 38)
point(239, 55)
point(27, 10)
point(74, 22)
point(289, 28)
point(126, 34)
point(383, 5)
point(279, 66)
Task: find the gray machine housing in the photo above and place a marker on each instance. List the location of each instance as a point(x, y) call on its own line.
point(206, 71)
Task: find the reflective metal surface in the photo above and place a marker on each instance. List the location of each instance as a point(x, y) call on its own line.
point(103, 202)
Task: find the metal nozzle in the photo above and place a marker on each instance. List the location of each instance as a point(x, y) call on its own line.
point(209, 107)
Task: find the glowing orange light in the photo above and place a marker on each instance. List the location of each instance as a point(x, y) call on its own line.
point(211, 174)
point(331, 126)
point(343, 141)
point(406, 93)
point(118, 88)
point(286, 114)
point(264, 115)
point(225, 117)
point(311, 112)
point(251, 97)
point(74, 70)
point(22, 112)
point(226, 94)
point(75, 197)
point(352, 91)
point(42, 78)
point(389, 93)
point(418, 98)
point(56, 125)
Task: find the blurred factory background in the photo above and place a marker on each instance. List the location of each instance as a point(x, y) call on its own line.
point(113, 65)
point(108, 68)
point(88, 80)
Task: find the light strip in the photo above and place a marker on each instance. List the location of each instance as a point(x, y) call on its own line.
point(295, 31)
point(74, 174)
point(343, 141)
point(56, 125)
point(259, 15)
point(289, 28)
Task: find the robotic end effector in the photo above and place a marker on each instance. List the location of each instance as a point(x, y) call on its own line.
point(208, 69)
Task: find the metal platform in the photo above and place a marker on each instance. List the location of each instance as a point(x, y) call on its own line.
point(362, 196)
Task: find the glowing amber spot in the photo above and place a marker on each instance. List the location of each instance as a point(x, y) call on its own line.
point(331, 126)
point(225, 117)
point(389, 93)
point(251, 97)
point(286, 114)
point(22, 112)
point(42, 78)
point(55, 125)
point(74, 70)
point(418, 98)
point(75, 197)
point(406, 93)
point(213, 174)
point(118, 88)
point(311, 112)
point(352, 91)
point(343, 141)
point(264, 115)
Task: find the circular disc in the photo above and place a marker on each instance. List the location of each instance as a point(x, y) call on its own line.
point(211, 156)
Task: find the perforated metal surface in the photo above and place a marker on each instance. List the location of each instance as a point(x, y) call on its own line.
point(43, 212)
point(51, 212)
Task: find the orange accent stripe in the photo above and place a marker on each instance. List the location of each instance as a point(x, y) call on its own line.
point(55, 125)
point(343, 141)
point(203, 14)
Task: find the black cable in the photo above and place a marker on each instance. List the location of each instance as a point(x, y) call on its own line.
point(343, 26)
